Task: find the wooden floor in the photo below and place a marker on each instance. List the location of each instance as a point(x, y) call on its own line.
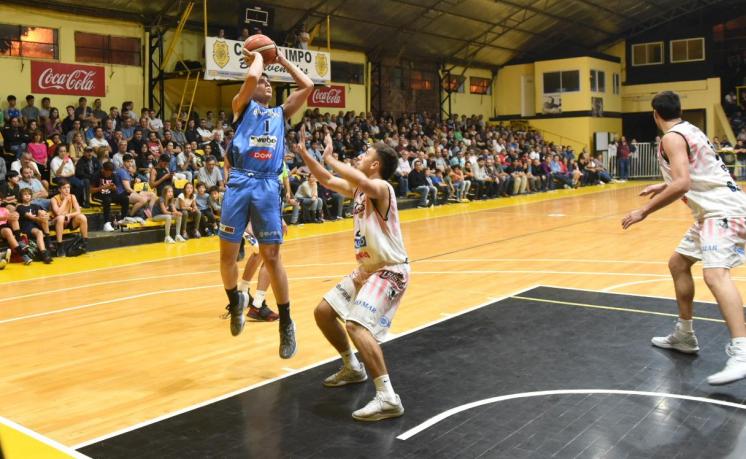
point(96, 344)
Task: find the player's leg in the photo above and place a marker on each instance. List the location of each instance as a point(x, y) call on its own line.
point(367, 324)
point(329, 314)
point(235, 215)
point(682, 338)
point(259, 309)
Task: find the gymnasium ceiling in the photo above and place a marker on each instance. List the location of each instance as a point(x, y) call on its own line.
point(478, 32)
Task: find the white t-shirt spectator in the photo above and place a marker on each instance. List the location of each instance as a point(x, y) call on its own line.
point(67, 171)
point(404, 167)
point(155, 124)
point(209, 179)
point(612, 149)
point(204, 134)
point(16, 166)
point(98, 143)
point(118, 160)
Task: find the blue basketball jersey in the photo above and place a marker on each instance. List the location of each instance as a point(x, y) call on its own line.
point(259, 141)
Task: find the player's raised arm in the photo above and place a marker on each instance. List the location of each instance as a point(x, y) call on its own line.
point(676, 149)
point(297, 98)
point(322, 175)
point(373, 188)
point(256, 67)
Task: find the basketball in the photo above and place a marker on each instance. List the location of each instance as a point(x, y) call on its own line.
point(264, 45)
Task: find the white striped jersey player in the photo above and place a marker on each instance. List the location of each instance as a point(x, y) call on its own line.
point(371, 294)
point(717, 203)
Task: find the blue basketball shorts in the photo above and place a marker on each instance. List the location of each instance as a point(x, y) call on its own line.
point(255, 198)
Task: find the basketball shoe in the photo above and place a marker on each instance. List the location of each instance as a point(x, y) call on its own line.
point(287, 340)
point(238, 320)
point(379, 408)
point(262, 313)
point(735, 368)
point(679, 340)
point(347, 375)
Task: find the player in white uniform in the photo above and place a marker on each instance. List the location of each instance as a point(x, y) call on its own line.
point(693, 172)
point(367, 299)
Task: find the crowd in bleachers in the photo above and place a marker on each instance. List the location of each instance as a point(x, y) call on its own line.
point(137, 167)
point(735, 108)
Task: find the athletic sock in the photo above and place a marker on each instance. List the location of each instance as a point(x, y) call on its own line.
point(243, 286)
point(687, 326)
point(350, 359)
point(383, 387)
point(284, 310)
point(232, 296)
point(259, 298)
point(740, 342)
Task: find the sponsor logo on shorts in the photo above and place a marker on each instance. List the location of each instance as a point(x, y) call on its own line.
point(269, 234)
point(739, 250)
point(262, 141)
point(723, 223)
point(227, 229)
point(396, 279)
point(360, 241)
point(365, 305)
point(384, 322)
point(343, 292)
point(361, 255)
point(262, 155)
point(710, 248)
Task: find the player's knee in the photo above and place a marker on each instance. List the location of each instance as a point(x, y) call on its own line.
point(323, 313)
point(714, 276)
point(677, 264)
point(354, 328)
point(270, 253)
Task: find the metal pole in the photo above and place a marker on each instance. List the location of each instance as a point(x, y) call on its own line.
point(191, 102)
point(183, 93)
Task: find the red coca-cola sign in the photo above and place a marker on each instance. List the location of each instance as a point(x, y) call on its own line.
point(72, 79)
point(331, 96)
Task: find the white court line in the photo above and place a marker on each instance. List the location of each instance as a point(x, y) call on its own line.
point(446, 414)
point(269, 381)
point(549, 260)
point(629, 284)
point(132, 279)
point(627, 294)
point(41, 438)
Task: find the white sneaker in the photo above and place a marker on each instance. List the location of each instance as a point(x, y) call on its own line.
point(346, 375)
point(108, 227)
point(735, 368)
point(169, 240)
point(178, 238)
point(380, 408)
point(139, 220)
point(679, 340)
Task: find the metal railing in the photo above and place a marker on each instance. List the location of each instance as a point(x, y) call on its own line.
point(642, 164)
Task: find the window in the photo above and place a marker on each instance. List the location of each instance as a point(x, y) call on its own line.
point(598, 81)
point(616, 83)
point(34, 42)
point(689, 50)
point(567, 81)
point(347, 72)
point(105, 49)
point(647, 54)
point(455, 84)
point(479, 85)
point(422, 81)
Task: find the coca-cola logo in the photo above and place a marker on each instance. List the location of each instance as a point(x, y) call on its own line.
point(333, 96)
point(77, 80)
point(83, 80)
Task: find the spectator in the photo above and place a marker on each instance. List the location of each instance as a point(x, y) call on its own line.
point(460, 184)
point(105, 189)
point(187, 205)
point(85, 170)
point(118, 157)
point(12, 111)
point(30, 112)
point(52, 123)
point(178, 134)
point(26, 160)
point(69, 120)
point(10, 230)
point(623, 153)
point(209, 222)
point(34, 222)
point(97, 112)
point(39, 193)
point(15, 137)
point(402, 173)
point(100, 144)
point(62, 170)
point(46, 109)
point(160, 176)
point(187, 162)
point(418, 183)
point(210, 175)
point(598, 165)
point(205, 132)
point(141, 201)
point(83, 112)
point(67, 214)
point(10, 190)
point(308, 197)
point(215, 201)
point(165, 211)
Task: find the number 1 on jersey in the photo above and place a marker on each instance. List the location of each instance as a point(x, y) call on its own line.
point(266, 126)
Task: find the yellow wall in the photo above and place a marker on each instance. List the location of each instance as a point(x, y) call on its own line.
point(612, 102)
point(619, 50)
point(507, 90)
point(579, 100)
point(472, 104)
point(123, 82)
point(699, 94)
point(576, 132)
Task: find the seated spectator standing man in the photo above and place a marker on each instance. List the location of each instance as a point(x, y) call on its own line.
point(15, 137)
point(118, 157)
point(39, 194)
point(402, 173)
point(10, 230)
point(35, 223)
point(100, 144)
point(30, 112)
point(139, 200)
point(83, 112)
point(67, 214)
point(210, 175)
point(108, 188)
point(311, 203)
point(12, 111)
point(88, 166)
point(418, 183)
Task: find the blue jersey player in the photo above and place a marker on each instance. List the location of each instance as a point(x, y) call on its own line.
point(253, 193)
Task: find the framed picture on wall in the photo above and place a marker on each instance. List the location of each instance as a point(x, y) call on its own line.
point(597, 106)
point(552, 103)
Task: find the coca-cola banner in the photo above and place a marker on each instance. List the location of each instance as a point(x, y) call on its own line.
point(72, 79)
point(332, 96)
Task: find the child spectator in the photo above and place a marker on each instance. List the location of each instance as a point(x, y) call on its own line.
point(203, 205)
point(165, 211)
point(11, 232)
point(35, 223)
point(67, 214)
point(216, 201)
point(188, 207)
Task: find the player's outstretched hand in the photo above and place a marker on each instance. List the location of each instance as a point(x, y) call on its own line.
point(653, 190)
point(248, 56)
point(633, 217)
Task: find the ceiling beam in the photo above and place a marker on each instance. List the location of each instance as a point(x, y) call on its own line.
point(557, 17)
